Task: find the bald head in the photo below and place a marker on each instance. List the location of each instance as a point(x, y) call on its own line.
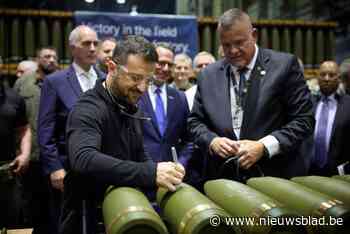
point(330, 65)
point(329, 77)
point(25, 67)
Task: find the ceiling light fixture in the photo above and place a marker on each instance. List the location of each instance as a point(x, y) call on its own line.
point(133, 11)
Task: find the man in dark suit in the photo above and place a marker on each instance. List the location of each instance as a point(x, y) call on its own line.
point(168, 110)
point(253, 104)
point(330, 151)
point(59, 93)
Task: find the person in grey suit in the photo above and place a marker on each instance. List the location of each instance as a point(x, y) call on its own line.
point(252, 104)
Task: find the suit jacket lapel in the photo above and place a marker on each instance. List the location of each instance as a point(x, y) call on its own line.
point(73, 81)
point(253, 92)
point(171, 107)
point(223, 97)
point(149, 109)
point(100, 75)
point(337, 117)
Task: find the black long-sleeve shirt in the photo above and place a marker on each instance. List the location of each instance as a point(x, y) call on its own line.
point(105, 147)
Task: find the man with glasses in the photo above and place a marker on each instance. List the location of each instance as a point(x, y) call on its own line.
point(253, 104)
point(59, 93)
point(168, 110)
point(105, 140)
point(330, 151)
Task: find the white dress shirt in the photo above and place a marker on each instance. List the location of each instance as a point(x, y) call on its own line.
point(190, 94)
point(86, 80)
point(270, 142)
point(152, 94)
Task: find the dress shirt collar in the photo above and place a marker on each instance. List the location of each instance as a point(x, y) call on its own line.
point(251, 65)
point(81, 72)
point(152, 88)
point(331, 98)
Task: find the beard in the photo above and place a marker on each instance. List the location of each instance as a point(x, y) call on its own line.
point(48, 69)
point(121, 100)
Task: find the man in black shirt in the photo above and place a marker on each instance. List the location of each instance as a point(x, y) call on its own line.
point(13, 125)
point(105, 142)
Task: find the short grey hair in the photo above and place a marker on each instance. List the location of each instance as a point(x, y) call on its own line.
point(29, 66)
point(183, 57)
point(75, 34)
point(200, 54)
point(231, 17)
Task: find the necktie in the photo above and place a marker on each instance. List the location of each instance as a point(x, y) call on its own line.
point(321, 134)
point(160, 113)
point(242, 84)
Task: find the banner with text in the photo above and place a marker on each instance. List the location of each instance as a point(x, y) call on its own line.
point(179, 31)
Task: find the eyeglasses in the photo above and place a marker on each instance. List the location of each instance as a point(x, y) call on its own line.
point(201, 66)
point(164, 63)
point(238, 45)
point(137, 78)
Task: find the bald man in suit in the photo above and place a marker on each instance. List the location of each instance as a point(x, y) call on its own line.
point(328, 146)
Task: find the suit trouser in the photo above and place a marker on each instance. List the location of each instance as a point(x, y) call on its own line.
point(55, 207)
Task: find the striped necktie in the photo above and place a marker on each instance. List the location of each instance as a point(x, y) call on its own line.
point(321, 134)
